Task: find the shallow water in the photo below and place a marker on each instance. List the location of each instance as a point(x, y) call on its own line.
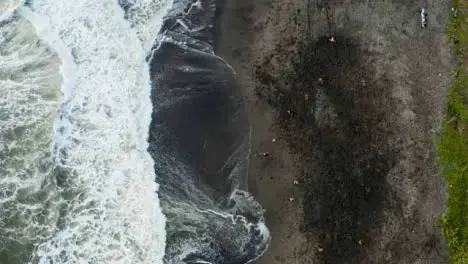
point(79, 108)
point(200, 140)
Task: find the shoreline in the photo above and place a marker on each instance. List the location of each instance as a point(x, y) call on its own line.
point(271, 178)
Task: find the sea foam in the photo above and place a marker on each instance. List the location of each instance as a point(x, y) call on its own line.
point(109, 209)
point(29, 101)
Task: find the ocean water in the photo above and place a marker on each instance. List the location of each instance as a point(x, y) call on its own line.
point(94, 166)
point(78, 184)
point(200, 141)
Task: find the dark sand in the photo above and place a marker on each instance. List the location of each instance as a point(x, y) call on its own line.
point(352, 121)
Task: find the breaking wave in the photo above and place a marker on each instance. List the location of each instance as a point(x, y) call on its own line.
point(109, 109)
point(75, 118)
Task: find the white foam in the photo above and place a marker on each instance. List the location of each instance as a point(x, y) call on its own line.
point(102, 135)
point(198, 4)
point(68, 67)
point(29, 86)
point(145, 17)
point(7, 7)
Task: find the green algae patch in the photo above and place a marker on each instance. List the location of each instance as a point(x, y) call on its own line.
point(452, 145)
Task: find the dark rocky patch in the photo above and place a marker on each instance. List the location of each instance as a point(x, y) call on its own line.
point(335, 114)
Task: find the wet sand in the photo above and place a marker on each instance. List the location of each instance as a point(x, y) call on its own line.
point(351, 119)
point(271, 177)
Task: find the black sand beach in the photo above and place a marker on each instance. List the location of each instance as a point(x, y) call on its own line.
point(345, 98)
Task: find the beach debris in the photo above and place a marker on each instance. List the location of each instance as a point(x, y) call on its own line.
point(291, 199)
point(320, 80)
point(454, 12)
point(264, 154)
point(440, 74)
point(360, 242)
point(332, 39)
point(319, 249)
point(306, 96)
point(295, 182)
point(289, 112)
point(273, 140)
point(423, 18)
